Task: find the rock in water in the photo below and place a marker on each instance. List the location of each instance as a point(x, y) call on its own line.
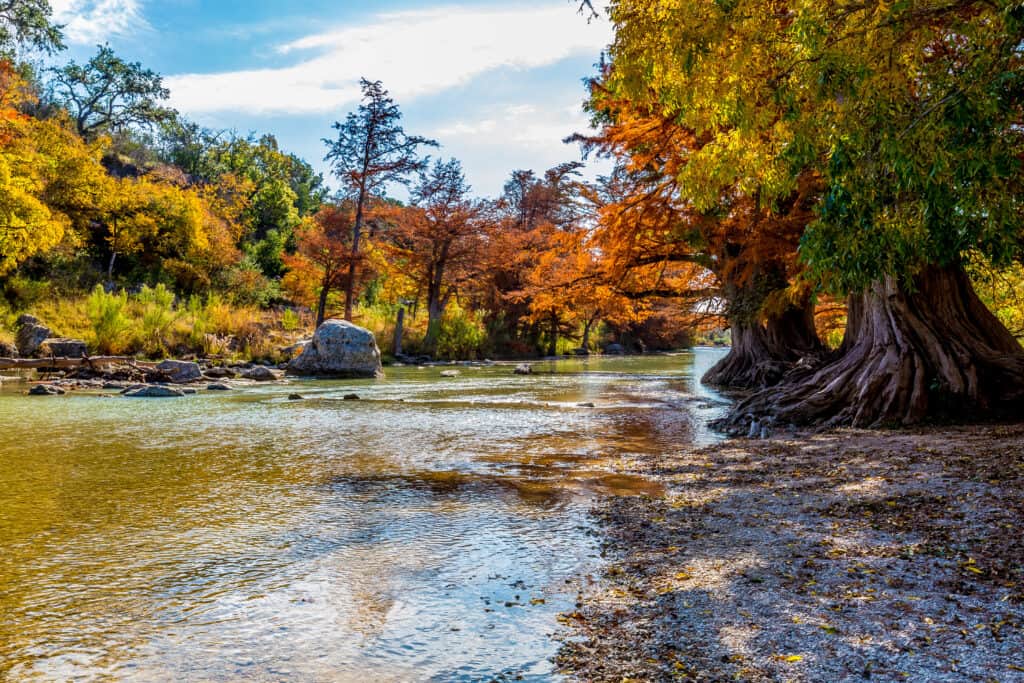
point(450, 373)
point(220, 373)
point(46, 390)
point(180, 372)
point(523, 369)
point(30, 337)
point(615, 350)
point(218, 386)
point(63, 348)
point(261, 373)
point(155, 392)
point(339, 349)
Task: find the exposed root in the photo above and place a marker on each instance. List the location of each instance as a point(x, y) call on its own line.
point(936, 353)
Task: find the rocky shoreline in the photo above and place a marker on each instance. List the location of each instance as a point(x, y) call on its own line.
point(843, 556)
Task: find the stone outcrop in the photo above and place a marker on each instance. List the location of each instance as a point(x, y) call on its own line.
point(180, 372)
point(62, 348)
point(30, 336)
point(339, 349)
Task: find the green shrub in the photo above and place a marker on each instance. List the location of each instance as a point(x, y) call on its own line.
point(158, 315)
point(107, 315)
point(462, 334)
point(290, 320)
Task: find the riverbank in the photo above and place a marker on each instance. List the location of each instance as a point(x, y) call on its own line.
point(849, 555)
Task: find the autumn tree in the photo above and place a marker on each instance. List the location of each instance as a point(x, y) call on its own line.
point(370, 151)
point(909, 114)
point(658, 241)
point(321, 262)
point(52, 182)
point(521, 226)
point(108, 94)
point(438, 237)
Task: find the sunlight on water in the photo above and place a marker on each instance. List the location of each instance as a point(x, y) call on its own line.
point(431, 531)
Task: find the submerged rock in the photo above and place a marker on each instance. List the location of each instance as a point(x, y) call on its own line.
point(296, 397)
point(154, 391)
point(523, 369)
point(261, 373)
point(339, 349)
point(179, 371)
point(46, 390)
point(218, 386)
point(351, 397)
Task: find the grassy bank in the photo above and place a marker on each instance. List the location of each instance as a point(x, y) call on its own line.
point(845, 556)
point(153, 323)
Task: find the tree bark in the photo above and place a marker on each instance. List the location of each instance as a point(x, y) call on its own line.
point(910, 355)
point(586, 335)
point(399, 329)
point(321, 308)
point(435, 304)
point(762, 353)
point(553, 342)
point(357, 232)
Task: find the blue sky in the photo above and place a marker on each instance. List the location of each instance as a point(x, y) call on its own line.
point(499, 84)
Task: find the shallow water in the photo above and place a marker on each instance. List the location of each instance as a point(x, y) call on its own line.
point(431, 531)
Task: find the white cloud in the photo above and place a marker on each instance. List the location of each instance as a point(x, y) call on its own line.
point(520, 124)
point(527, 136)
point(414, 53)
point(94, 21)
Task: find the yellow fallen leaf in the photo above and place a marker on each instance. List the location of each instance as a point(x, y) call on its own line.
point(794, 658)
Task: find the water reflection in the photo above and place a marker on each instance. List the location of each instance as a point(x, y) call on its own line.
point(430, 531)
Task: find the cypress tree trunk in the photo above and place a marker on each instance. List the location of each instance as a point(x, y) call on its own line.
point(553, 341)
point(935, 351)
point(399, 330)
point(762, 353)
point(321, 308)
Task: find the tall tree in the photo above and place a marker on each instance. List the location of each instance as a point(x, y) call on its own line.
point(441, 239)
point(27, 23)
point(321, 261)
point(108, 94)
point(910, 114)
point(370, 151)
point(655, 238)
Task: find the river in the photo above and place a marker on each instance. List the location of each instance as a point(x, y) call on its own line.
point(431, 531)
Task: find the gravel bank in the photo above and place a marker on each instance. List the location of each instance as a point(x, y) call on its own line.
point(845, 556)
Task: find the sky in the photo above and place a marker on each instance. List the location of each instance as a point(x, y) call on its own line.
point(498, 83)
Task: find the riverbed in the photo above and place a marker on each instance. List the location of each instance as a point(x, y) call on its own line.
point(432, 530)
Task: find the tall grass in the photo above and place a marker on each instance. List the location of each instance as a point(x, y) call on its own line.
point(158, 314)
point(152, 323)
point(107, 313)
